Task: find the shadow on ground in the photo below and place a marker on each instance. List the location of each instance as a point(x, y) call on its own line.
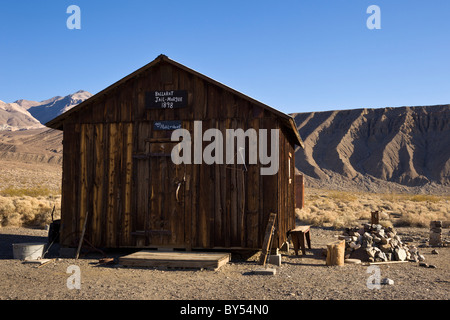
point(7, 241)
point(313, 257)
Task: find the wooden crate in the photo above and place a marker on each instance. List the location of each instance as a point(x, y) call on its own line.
point(176, 259)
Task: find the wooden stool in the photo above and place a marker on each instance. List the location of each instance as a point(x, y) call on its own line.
point(299, 234)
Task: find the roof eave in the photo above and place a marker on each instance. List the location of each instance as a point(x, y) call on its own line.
point(57, 123)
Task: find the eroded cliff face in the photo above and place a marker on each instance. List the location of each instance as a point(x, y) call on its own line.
point(409, 146)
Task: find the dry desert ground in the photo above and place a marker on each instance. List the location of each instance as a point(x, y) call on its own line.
point(26, 204)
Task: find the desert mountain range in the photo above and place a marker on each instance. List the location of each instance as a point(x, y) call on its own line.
point(384, 149)
point(24, 138)
point(46, 110)
point(14, 117)
point(370, 148)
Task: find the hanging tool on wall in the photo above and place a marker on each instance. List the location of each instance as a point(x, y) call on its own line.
point(180, 183)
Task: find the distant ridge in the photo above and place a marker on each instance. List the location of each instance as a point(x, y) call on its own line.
point(14, 117)
point(49, 109)
point(26, 114)
point(402, 149)
point(408, 146)
point(24, 138)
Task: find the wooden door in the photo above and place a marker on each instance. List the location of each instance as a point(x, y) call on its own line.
point(160, 186)
point(166, 188)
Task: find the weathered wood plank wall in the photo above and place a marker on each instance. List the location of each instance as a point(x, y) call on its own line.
point(132, 198)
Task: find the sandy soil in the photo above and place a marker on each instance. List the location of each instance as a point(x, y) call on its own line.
point(298, 278)
point(19, 174)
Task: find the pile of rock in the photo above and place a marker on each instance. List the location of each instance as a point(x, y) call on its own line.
point(435, 233)
point(374, 243)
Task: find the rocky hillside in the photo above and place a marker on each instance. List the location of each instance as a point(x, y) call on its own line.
point(14, 117)
point(24, 138)
point(25, 114)
point(47, 110)
point(407, 146)
point(35, 145)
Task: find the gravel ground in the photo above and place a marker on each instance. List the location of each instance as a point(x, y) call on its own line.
point(298, 278)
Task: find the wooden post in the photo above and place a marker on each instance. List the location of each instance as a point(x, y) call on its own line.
point(268, 238)
point(375, 217)
point(299, 191)
point(82, 237)
point(336, 253)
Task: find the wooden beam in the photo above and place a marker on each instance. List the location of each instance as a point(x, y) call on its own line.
point(386, 262)
point(82, 236)
point(268, 238)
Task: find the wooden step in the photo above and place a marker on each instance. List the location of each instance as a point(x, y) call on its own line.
point(176, 259)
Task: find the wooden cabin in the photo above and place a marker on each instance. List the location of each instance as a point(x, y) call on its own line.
point(118, 170)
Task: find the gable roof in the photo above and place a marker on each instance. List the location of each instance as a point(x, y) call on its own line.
point(287, 120)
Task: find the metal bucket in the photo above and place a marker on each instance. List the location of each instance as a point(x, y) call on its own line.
point(28, 251)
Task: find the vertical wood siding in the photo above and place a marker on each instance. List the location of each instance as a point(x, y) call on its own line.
point(138, 200)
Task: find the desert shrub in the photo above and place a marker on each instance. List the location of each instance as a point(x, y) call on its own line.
point(30, 192)
point(343, 209)
point(394, 197)
point(335, 219)
point(386, 223)
point(425, 197)
point(8, 214)
point(421, 218)
point(342, 196)
point(28, 211)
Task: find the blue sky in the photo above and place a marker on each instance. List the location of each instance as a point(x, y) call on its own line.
point(296, 56)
